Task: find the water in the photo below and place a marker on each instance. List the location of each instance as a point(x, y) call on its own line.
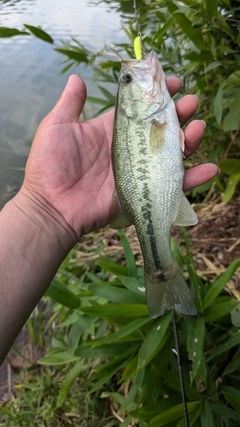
point(30, 79)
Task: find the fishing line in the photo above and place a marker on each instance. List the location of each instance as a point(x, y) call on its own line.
point(136, 17)
point(180, 370)
point(139, 48)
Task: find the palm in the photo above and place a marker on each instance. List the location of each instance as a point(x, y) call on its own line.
point(69, 164)
point(71, 168)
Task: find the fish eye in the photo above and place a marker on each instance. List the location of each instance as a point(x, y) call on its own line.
point(126, 78)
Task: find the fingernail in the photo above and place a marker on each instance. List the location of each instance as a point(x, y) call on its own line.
point(193, 94)
point(203, 123)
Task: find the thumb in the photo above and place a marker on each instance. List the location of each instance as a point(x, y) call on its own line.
point(71, 102)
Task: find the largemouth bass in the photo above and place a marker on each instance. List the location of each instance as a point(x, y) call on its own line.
point(147, 156)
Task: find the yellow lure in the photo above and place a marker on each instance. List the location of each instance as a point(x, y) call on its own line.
point(138, 48)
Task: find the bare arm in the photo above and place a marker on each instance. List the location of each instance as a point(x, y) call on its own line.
point(66, 193)
point(34, 242)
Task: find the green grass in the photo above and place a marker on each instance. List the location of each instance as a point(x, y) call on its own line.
point(107, 363)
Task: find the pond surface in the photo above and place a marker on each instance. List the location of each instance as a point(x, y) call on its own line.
point(30, 79)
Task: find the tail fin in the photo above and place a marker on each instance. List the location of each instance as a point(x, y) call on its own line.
point(167, 294)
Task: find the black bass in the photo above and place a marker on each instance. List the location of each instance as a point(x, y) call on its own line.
point(147, 157)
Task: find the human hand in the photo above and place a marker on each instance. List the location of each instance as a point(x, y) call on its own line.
point(69, 167)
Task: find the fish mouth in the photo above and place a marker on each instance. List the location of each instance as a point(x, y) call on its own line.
point(150, 65)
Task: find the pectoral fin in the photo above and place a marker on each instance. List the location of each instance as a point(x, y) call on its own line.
point(185, 215)
point(118, 217)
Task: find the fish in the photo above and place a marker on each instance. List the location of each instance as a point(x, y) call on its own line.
point(147, 160)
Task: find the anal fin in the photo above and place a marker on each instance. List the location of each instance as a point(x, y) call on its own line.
point(185, 215)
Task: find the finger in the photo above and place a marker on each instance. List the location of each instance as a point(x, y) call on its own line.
point(194, 134)
point(174, 84)
point(186, 107)
point(199, 175)
point(72, 100)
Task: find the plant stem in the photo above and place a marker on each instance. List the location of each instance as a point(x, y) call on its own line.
point(180, 370)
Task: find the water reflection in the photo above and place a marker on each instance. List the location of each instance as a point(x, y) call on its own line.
point(30, 80)
point(11, 3)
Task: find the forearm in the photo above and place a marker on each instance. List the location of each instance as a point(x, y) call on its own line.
point(33, 243)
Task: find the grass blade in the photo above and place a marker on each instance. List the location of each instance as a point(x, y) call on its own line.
point(153, 339)
point(220, 283)
point(68, 383)
point(130, 260)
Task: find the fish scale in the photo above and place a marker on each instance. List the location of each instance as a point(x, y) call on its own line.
point(148, 170)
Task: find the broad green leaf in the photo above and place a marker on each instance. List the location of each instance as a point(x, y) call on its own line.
point(231, 342)
point(127, 422)
point(202, 188)
point(116, 294)
point(213, 65)
point(195, 344)
point(224, 411)
point(149, 411)
point(232, 183)
point(126, 330)
point(72, 318)
point(92, 349)
point(130, 370)
point(200, 58)
point(172, 414)
point(39, 33)
point(235, 316)
point(118, 310)
point(193, 416)
point(10, 32)
point(207, 415)
point(220, 310)
point(220, 283)
point(74, 335)
point(65, 69)
point(232, 395)
point(232, 120)
point(172, 379)
point(186, 26)
point(234, 79)
point(130, 260)
point(211, 7)
point(107, 370)
point(99, 101)
point(168, 24)
point(119, 398)
point(109, 96)
point(68, 382)
point(218, 105)
point(61, 294)
point(110, 372)
point(113, 268)
point(234, 365)
point(134, 285)
point(153, 340)
point(57, 357)
point(77, 55)
point(230, 166)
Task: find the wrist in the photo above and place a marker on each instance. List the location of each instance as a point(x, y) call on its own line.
point(47, 220)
